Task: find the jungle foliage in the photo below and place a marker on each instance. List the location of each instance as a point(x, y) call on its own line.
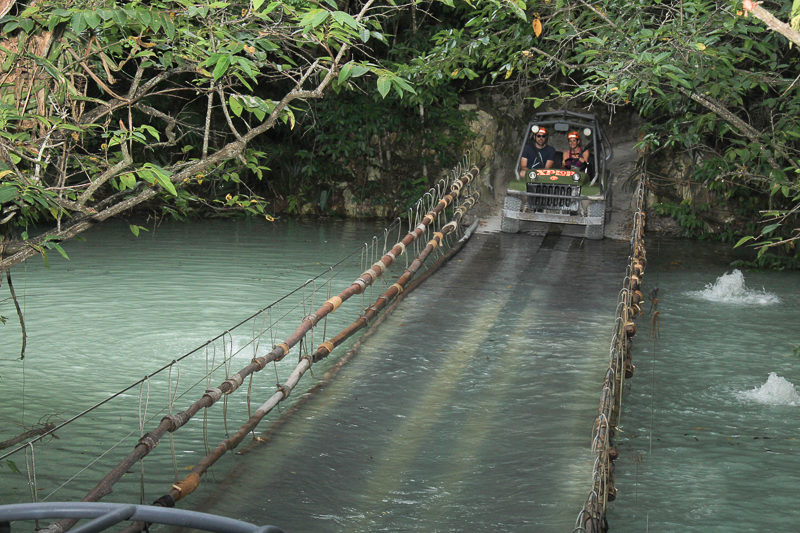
point(106, 106)
point(195, 107)
point(717, 89)
point(716, 86)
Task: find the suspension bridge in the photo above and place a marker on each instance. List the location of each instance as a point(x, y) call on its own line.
point(485, 273)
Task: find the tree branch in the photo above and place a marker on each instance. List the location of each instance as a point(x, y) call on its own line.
point(771, 21)
point(107, 175)
point(19, 314)
point(745, 129)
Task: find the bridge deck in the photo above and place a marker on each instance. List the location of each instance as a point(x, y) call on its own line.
point(472, 405)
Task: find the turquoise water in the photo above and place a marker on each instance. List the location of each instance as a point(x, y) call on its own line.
point(123, 308)
point(709, 437)
point(471, 407)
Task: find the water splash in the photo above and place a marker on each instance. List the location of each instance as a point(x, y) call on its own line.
point(776, 391)
point(730, 288)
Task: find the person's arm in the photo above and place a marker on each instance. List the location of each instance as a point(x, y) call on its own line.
point(585, 156)
point(550, 162)
point(523, 167)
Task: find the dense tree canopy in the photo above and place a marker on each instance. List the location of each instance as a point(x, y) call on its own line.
point(108, 105)
point(104, 106)
point(717, 89)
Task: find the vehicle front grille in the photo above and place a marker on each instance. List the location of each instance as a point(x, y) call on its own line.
point(554, 196)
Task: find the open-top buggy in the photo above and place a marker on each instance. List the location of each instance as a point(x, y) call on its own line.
point(579, 200)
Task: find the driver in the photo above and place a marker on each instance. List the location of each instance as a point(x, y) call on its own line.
point(538, 155)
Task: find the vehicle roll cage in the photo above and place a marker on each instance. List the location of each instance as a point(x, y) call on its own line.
point(564, 121)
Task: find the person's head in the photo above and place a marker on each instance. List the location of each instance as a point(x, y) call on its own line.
point(574, 139)
point(541, 136)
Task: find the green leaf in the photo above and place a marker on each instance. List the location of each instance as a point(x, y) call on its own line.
point(26, 25)
point(167, 24)
point(743, 240)
point(272, 6)
point(236, 106)
point(78, 22)
point(128, 180)
point(119, 16)
point(769, 228)
point(92, 19)
point(144, 16)
point(135, 229)
point(151, 130)
point(345, 19)
point(247, 66)
point(162, 177)
point(318, 16)
point(345, 73)
point(44, 254)
point(384, 85)
point(7, 193)
point(402, 85)
point(57, 247)
point(155, 22)
point(222, 66)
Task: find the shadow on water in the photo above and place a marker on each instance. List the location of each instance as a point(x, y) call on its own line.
point(470, 407)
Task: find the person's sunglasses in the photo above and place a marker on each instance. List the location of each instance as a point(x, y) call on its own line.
point(542, 136)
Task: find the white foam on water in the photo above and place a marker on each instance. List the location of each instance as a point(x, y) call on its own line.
point(730, 288)
point(776, 391)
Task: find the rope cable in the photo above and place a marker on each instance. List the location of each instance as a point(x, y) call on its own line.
point(30, 467)
point(229, 350)
point(142, 417)
point(171, 399)
point(608, 420)
point(90, 464)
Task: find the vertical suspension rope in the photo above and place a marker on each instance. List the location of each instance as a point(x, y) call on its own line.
point(208, 387)
point(171, 399)
point(142, 418)
point(212, 395)
point(30, 467)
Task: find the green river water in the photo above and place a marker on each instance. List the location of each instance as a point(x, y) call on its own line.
point(470, 408)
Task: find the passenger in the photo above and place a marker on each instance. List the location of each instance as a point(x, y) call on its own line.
point(576, 157)
point(538, 155)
